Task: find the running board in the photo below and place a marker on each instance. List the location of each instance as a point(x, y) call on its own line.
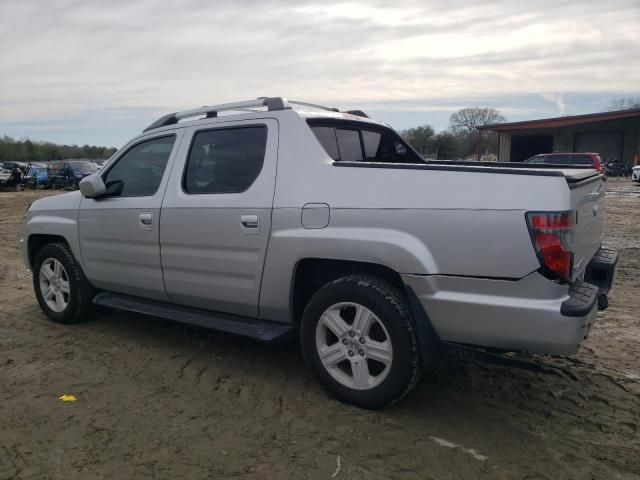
point(249, 327)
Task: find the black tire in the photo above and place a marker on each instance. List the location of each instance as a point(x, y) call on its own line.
point(81, 292)
point(391, 308)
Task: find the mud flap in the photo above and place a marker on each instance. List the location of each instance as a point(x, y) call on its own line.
point(431, 347)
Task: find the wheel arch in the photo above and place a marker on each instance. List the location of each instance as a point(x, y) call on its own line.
point(37, 241)
point(310, 274)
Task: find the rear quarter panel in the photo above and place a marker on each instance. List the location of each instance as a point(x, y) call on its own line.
point(422, 222)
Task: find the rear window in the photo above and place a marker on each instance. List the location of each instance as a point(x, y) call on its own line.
point(327, 138)
point(83, 167)
point(562, 159)
point(347, 143)
point(580, 160)
point(371, 142)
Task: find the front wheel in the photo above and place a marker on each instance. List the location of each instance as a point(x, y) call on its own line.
point(359, 339)
point(63, 292)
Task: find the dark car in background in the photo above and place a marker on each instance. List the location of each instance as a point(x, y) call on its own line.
point(587, 159)
point(68, 173)
point(11, 175)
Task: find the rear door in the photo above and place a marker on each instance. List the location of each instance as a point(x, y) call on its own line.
point(216, 215)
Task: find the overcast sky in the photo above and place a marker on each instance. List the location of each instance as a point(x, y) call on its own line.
point(100, 71)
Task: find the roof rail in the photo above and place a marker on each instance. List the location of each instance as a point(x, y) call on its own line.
point(321, 107)
point(358, 113)
point(272, 103)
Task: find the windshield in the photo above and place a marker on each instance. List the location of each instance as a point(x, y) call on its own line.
point(83, 167)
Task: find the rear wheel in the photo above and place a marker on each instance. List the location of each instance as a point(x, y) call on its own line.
point(359, 339)
point(63, 292)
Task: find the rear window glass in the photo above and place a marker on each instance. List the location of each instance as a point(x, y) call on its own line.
point(579, 160)
point(349, 145)
point(371, 142)
point(327, 138)
point(562, 159)
point(356, 144)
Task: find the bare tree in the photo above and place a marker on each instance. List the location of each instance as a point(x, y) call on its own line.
point(467, 120)
point(624, 104)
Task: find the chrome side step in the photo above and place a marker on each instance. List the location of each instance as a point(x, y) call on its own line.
point(249, 327)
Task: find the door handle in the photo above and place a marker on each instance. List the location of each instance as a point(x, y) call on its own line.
point(250, 222)
point(146, 220)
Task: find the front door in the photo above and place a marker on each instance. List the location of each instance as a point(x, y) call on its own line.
point(216, 215)
point(119, 233)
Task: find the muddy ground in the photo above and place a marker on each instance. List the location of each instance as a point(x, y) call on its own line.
point(160, 400)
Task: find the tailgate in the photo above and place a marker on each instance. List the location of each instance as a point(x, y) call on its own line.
point(587, 199)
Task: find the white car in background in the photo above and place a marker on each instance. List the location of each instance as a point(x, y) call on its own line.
point(635, 173)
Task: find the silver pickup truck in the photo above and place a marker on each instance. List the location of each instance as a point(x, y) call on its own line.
point(267, 217)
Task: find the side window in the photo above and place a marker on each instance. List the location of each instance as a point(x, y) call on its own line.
point(349, 145)
point(379, 145)
point(225, 160)
point(386, 147)
point(371, 142)
point(327, 138)
point(139, 171)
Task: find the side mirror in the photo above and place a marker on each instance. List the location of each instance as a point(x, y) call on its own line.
point(92, 186)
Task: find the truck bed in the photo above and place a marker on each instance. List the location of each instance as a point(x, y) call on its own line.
point(574, 174)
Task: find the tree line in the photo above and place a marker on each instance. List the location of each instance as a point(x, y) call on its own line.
point(459, 140)
point(29, 151)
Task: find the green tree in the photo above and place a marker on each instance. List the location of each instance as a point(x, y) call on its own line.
point(447, 146)
point(29, 151)
point(420, 138)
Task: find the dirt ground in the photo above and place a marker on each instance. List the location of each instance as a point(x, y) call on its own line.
point(161, 400)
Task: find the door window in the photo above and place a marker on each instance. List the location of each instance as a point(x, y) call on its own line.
point(139, 171)
point(225, 160)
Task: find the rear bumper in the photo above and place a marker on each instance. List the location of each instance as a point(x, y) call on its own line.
point(532, 314)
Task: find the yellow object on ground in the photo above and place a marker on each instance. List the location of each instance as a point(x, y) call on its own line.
point(67, 398)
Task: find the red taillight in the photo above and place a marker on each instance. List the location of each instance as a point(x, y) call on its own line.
point(552, 235)
point(597, 164)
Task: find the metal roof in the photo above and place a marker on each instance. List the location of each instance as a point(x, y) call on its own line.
point(558, 122)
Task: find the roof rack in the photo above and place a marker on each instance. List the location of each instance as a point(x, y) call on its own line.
point(358, 113)
point(272, 103)
point(313, 105)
